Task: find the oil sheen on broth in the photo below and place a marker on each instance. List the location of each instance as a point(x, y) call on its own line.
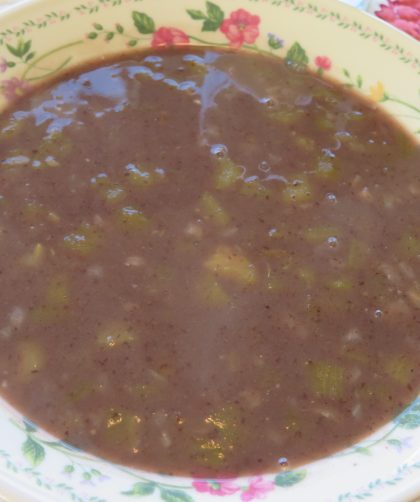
point(209, 261)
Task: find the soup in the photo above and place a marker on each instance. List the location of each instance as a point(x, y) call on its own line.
point(210, 262)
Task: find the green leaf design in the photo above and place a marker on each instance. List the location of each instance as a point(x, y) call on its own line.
point(92, 35)
point(25, 47)
point(291, 478)
point(359, 81)
point(68, 469)
point(98, 26)
point(13, 50)
point(196, 14)
point(215, 17)
point(29, 426)
point(275, 42)
point(141, 489)
point(11, 64)
point(33, 452)
point(30, 56)
point(119, 28)
point(297, 57)
point(410, 417)
point(109, 36)
point(362, 450)
point(143, 23)
point(175, 496)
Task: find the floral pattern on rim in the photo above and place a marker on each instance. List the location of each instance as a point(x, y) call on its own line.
point(166, 37)
point(241, 28)
point(14, 88)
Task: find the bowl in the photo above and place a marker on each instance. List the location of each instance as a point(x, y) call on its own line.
point(40, 38)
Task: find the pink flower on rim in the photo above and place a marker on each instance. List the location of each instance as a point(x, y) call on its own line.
point(241, 27)
point(165, 37)
point(220, 487)
point(323, 62)
point(403, 14)
point(13, 88)
point(257, 489)
point(3, 65)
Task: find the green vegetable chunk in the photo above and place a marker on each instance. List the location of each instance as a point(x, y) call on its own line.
point(400, 368)
point(132, 219)
point(232, 264)
point(124, 429)
point(254, 188)
point(212, 210)
point(227, 173)
point(82, 241)
point(31, 359)
point(326, 380)
point(298, 191)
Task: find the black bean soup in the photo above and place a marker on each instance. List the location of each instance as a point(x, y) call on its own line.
point(208, 261)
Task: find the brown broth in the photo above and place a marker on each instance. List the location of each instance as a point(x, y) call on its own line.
point(209, 261)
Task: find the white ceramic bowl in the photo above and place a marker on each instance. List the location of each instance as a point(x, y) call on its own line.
point(41, 37)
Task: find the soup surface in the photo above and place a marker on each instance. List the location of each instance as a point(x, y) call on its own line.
point(210, 262)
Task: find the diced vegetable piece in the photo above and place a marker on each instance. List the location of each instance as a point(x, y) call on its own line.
point(297, 191)
point(56, 302)
point(211, 209)
point(142, 177)
point(252, 187)
point(224, 437)
point(212, 292)
point(227, 174)
point(287, 116)
point(323, 123)
point(410, 245)
point(35, 257)
point(358, 254)
point(304, 143)
point(115, 334)
point(31, 359)
point(400, 368)
point(327, 168)
point(132, 219)
point(56, 144)
point(83, 241)
point(326, 380)
point(113, 194)
point(124, 429)
point(231, 264)
point(320, 234)
point(58, 292)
